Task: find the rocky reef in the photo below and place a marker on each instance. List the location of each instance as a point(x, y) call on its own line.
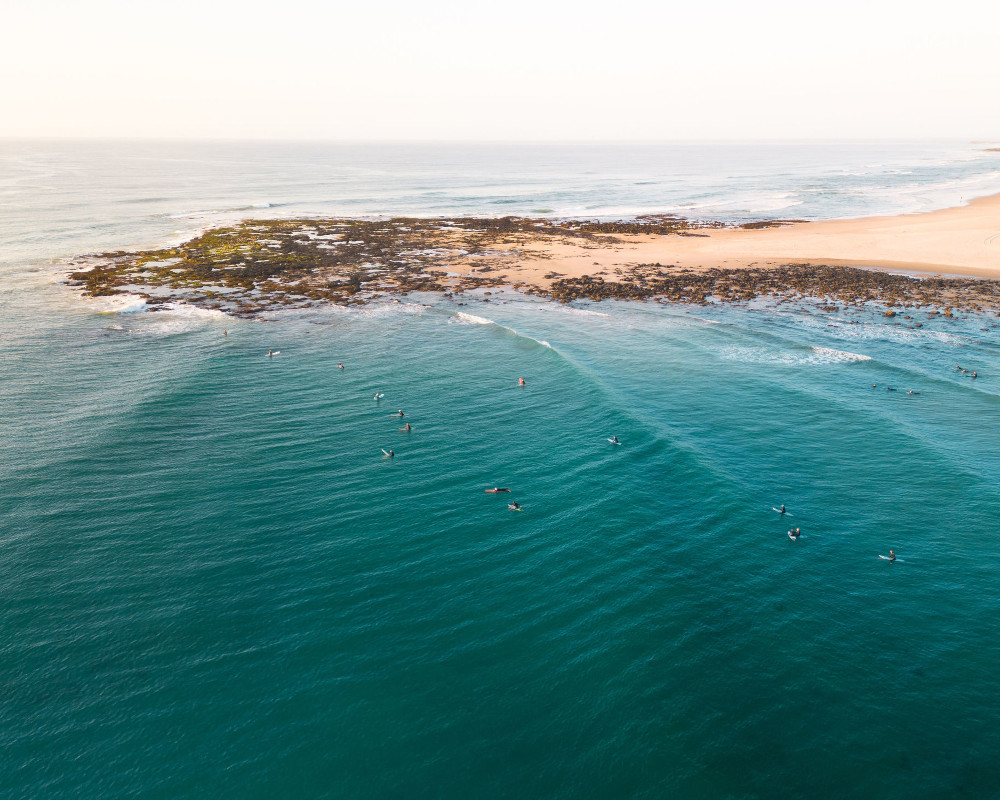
point(843, 285)
point(262, 265)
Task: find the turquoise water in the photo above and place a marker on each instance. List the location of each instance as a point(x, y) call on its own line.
point(215, 584)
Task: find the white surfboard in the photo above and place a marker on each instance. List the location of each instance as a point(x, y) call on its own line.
point(897, 561)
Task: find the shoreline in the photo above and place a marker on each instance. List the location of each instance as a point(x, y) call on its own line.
point(263, 264)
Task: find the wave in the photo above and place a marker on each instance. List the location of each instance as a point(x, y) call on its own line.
point(570, 310)
point(814, 355)
point(472, 319)
point(368, 311)
point(207, 212)
point(463, 318)
point(827, 355)
point(119, 304)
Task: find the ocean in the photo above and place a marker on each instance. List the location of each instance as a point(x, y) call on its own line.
point(216, 584)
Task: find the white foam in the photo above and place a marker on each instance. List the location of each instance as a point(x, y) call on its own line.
point(184, 310)
point(757, 355)
point(563, 309)
point(827, 355)
point(463, 318)
point(119, 304)
point(817, 355)
point(377, 310)
point(472, 319)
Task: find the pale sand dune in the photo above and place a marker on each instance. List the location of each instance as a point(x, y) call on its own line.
point(955, 241)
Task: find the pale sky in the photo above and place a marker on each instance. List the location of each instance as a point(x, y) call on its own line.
point(506, 70)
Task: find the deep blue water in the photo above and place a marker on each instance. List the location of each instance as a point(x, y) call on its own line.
point(215, 584)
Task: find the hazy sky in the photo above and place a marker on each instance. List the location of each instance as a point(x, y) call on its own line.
point(503, 70)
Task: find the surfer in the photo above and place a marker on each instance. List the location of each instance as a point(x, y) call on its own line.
point(520, 381)
point(339, 365)
point(975, 374)
point(270, 354)
point(782, 509)
point(377, 395)
point(496, 490)
point(400, 413)
point(407, 428)
point(225, 333)
point(873, 385)
point(892, 556)
point(514, 506)
point(614, 440)
point(889, 389)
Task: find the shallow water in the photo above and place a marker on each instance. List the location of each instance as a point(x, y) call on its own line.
point(216, 583)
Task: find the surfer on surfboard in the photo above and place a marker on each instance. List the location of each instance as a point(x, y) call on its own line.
point(495, 490)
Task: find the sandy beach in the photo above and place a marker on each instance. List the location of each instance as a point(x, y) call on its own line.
point(954, 241)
